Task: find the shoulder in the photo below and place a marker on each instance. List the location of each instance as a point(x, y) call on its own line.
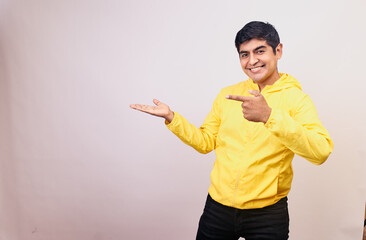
point(290, 87)
point(295, 93)
point(297, 100)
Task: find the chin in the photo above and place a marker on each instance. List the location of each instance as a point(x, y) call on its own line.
point(257, 79)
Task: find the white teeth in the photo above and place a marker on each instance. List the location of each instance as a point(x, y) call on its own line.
point(255, 69)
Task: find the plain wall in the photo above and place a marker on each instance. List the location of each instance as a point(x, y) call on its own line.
point(76, 163)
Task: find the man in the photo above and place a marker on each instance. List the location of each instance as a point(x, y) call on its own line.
point(255, 127)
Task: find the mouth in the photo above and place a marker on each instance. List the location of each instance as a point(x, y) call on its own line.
point(255, 69)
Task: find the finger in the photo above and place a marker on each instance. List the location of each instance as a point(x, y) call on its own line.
point(156, 102)
point(133, 106)
point(142, 108)
point(255, 93)
point(236, 98)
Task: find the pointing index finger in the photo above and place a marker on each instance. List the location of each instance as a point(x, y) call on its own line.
point(236, 98)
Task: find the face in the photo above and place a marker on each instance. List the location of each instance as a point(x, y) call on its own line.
point(259, 62)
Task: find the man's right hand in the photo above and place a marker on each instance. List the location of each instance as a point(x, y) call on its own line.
point(160, 110)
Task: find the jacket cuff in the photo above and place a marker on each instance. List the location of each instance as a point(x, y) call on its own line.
point(173, 122)
point(273, 118)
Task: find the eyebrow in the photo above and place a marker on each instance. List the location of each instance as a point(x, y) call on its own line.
point(256, 49)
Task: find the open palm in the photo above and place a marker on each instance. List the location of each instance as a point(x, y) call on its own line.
point(160, 110)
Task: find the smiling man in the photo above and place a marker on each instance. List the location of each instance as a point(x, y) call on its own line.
point(258, 61)
point(255, 128)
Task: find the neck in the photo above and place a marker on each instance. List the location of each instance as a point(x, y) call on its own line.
point(270, 81)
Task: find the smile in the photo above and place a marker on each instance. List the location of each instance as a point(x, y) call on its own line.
point(256, 69)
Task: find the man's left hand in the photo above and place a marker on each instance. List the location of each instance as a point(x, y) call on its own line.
point(255, 108)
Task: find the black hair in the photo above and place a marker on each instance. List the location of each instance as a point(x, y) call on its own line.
point(258, 30)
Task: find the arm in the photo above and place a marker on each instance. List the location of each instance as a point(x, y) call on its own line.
point(302, 132)
point(202, 139)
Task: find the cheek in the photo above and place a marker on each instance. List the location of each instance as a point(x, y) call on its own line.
point(271, 67)
point(243, 63)
point(271, 62)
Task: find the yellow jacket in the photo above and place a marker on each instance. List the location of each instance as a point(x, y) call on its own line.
point(253, 160)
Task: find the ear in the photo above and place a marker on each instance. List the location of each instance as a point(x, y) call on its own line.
point(279, 51)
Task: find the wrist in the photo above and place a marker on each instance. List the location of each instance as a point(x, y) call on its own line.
point(170, 116)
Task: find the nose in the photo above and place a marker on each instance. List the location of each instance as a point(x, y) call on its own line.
point(252, 60)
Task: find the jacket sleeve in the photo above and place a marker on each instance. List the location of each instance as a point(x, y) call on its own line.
point(202, 139)
point(302, 132)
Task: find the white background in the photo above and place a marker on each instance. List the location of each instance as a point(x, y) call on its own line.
point(76, 163)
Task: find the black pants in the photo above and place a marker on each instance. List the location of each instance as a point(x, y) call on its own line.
point(226, 223)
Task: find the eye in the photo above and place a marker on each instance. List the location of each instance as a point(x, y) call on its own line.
point(244, 55)
point(260, 51)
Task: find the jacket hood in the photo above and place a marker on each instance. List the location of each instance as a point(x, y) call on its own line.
point(286, 81)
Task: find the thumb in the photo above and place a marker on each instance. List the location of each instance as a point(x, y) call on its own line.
point(255, 93)
point(156, 102)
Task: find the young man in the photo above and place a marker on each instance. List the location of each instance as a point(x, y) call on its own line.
point(255, 127)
